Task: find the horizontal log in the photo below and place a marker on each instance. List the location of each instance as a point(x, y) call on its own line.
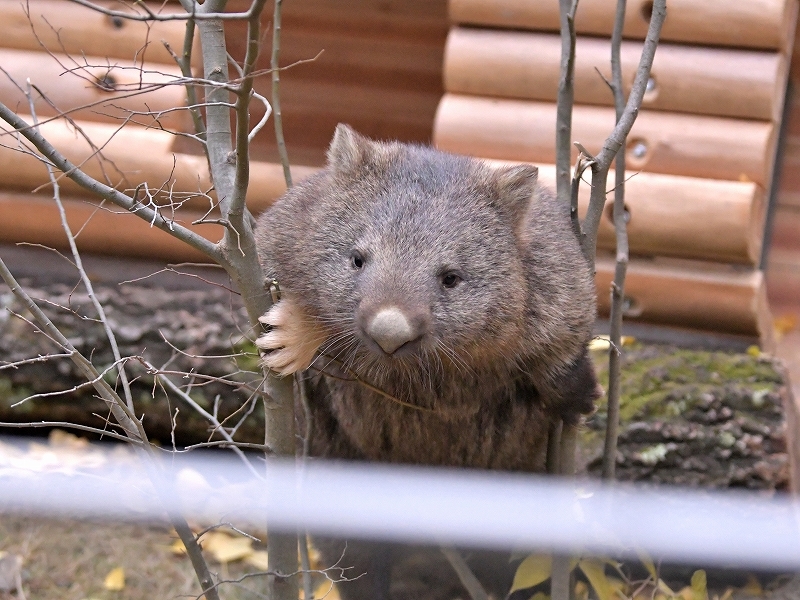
point(129, 156)
point(783, 279)
point(91, 88)
point(73, 29)
point(692, 79)
point(695, 295)
point(675, 144)
point(705, 298)
point(35, 220)
point(683, 217)
point(741, 23)
point(786, 229)
point(352, 102)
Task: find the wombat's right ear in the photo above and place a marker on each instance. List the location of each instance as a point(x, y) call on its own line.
point(515, 187)
point(348, 150)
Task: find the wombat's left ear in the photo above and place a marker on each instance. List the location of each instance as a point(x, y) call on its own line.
point(348, 149)
point(515, 187)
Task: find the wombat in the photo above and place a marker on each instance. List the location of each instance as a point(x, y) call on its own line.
point(442, 306)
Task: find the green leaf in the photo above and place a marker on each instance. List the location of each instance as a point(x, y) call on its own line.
point(532, 571)
point(699, 585)
point(595, 573)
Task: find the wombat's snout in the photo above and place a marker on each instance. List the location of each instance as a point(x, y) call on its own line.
point(391, 328)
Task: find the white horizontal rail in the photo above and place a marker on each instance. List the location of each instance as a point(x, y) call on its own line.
point(460, 507)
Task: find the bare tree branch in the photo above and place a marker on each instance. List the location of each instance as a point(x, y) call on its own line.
point(73, 172)
point(465, 574)
point(565, 100)
point(276, 94)
point(618, 285)
point(616, 140)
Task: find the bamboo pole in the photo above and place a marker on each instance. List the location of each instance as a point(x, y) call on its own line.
point(694, 79)
point(744, 23)
point(670, 143)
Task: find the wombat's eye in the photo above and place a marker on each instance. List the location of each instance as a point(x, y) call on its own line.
point(450, 279)
point(357, 260)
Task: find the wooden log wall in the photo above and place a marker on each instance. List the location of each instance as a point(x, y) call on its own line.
point(378, 67)
point(380, 70)
point(783, 270)
point(701, 154)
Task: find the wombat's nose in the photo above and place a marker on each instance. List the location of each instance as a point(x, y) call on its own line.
point(390, 329)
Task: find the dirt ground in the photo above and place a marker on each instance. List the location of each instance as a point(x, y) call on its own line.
point(70, 560)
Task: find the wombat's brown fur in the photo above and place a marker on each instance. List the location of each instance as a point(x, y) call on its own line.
point(443, 305)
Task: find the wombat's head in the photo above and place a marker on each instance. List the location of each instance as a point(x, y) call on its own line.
point(410, 255)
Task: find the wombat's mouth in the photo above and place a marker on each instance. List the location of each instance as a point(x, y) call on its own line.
point(405, 350)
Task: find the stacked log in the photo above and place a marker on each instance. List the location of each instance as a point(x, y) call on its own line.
point(700, 156)
point(374, 64)
point(377, 65)
point(132, 159)
point(109, 95)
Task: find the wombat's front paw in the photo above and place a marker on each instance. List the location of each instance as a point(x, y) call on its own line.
point(293, 340)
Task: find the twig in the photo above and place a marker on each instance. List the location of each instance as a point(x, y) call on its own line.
point(87, 284)
point(126, 419)
point(465, 574)
point(150, 16)
point(565, 100)
point(276, 94)
point(184, 62)
point(78, 176)
point(616, 140)
point(618, 285)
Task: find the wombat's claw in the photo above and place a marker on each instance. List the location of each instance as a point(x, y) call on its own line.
point(293, 339)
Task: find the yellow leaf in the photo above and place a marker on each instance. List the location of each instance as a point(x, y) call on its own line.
point(63, 439)
point(600, 343)
point(595, 573)
point(685, 594)
point(753, 587)
point(325, 590)
point(699, 585)
point(177, 548)
point(785, 323)
point(663, 587)
point(115, 580)
point(532, 571)
point(754, 351)
point(225, 547)
point(258, 559)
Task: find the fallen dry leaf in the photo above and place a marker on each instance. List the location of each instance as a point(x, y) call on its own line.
point(177, 548)
point(115, 580)
point(63, 439)
point(784, 324)
point(225, 547)
point(258, 559)
point(10, 565)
